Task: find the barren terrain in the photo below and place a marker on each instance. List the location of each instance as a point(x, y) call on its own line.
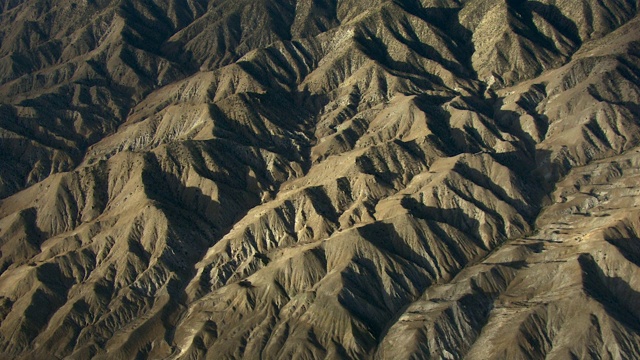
point(310, 179)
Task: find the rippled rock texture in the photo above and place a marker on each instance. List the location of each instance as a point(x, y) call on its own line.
point(192, 179)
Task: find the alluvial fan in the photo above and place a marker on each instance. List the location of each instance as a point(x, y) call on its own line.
point(344, 179)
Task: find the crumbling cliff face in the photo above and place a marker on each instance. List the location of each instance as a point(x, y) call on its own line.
point(191, 179)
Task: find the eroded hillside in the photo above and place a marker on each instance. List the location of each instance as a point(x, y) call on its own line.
point(319, 179)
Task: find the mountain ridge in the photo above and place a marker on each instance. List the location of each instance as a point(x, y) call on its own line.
point(319, 179)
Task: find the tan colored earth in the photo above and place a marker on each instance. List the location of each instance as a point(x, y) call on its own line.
point(320, 179)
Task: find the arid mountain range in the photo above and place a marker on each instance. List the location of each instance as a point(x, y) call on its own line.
point(311, 179)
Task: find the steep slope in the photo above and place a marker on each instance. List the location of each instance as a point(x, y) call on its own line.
point(319, 179)
point(70, 74)
point(566, 291)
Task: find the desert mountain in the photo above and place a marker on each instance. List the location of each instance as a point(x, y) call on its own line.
point(344, 179)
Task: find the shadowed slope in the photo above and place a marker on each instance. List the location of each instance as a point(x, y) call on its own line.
point(318, 179)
